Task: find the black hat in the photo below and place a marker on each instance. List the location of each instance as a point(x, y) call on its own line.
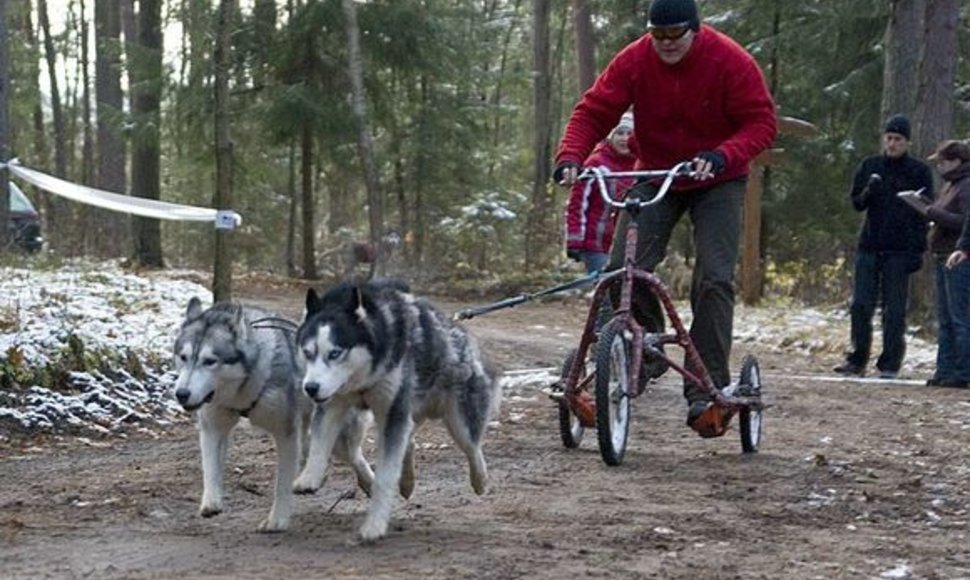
point(673, 12)
point(898, 124)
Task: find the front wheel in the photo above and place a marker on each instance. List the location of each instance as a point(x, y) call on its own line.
point(613, 391)
point(570, 429)
point(749, 418)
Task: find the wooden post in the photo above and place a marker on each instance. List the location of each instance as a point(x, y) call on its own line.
point(751, 253)
point(751, 274)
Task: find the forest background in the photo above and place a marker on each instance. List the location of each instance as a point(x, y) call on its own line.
point(329, 122)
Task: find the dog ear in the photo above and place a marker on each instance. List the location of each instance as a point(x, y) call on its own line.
point(357, 304)
point(194, 309)
point(239, 323)
point(313, 302)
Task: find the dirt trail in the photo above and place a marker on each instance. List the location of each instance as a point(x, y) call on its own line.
point(855, 480)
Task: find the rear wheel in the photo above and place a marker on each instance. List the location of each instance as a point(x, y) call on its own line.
point(749, 418)
point(613, 392)
point(570, 429)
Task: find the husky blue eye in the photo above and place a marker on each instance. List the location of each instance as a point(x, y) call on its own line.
point(334, 354)
point(209, 361)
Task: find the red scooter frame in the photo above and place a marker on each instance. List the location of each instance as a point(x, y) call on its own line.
point(578, 409)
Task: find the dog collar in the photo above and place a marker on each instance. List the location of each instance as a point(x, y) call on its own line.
point(245, 412)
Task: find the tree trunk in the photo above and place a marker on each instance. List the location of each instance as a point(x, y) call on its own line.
point(420, 177)
point(146, 74)
point(291, 270)
point(57, 111)
point(55, 209)
point(222, 268)
point(497, 140)
point(539, 238)
point(4, 125)
point(112, 227)
point(585, 47)
point(87, 135)
point(933, 119)
point(129, 31)
point(904, 36)
point(306, 161)
point(365, 145)
point(264, 22)
point(40, 157)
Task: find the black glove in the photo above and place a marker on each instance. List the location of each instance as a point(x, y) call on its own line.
point(716, 159)
point(573, 254)
point(560, 169)
point(871, 188)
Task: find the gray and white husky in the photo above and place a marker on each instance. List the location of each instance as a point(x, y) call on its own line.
point(376, 346)
point(235, 361)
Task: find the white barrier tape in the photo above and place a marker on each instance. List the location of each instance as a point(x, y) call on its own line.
point(151, 208)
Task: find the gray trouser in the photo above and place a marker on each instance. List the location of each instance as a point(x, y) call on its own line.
point(715, 214)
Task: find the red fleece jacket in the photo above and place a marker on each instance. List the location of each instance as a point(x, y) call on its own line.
point(715, 98)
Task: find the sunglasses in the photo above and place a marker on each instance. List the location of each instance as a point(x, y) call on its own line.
point(675, 32)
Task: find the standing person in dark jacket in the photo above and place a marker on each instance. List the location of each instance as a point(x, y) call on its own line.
point(699, 96)
point(952, 159)
point(589, 221)
point(891, 246)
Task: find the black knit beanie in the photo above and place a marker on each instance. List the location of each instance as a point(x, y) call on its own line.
point(898, 124)
point(673, 12)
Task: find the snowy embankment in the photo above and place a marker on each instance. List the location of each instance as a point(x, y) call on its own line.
point(86, 349)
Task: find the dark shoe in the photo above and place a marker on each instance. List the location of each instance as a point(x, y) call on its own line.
point(850, 369)
point(708, 419)
point(951, 384)
point(934, 382)
point(653, 365)
point(888, 375)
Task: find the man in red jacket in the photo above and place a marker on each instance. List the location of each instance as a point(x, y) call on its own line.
point(589, 221)
point(696, 95)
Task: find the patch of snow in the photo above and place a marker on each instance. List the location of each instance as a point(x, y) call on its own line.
point(99, 309)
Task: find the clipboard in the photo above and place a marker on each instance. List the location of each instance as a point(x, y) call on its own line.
point(915, 199)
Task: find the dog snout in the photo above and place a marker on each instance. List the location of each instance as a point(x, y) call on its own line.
point(312, 389)
point(182, 395)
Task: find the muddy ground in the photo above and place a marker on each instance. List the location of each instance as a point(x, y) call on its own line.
point(856, 479)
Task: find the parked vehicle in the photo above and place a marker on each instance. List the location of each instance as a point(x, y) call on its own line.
point(24, 224)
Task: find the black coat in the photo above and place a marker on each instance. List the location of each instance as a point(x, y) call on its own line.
point(891, 225)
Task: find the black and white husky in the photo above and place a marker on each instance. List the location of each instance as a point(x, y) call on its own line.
point(235, 361)
point(376, 346)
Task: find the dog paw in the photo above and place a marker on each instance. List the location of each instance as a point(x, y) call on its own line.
point(365, 485)
point(274, 525)
point(406, 488)
point(480, 485)
point(305, 486)
point(372, 531)
point(207, 511)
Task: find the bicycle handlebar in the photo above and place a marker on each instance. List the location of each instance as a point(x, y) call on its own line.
point(601, 174)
